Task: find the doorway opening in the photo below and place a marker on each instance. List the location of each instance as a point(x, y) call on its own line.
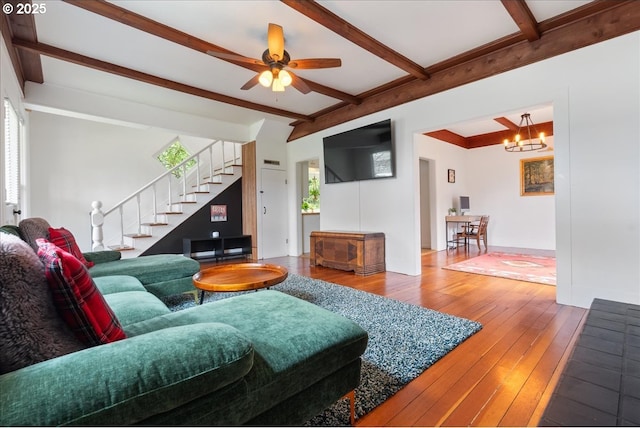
point(427, 205)
point(308, 174)
point(475, 164)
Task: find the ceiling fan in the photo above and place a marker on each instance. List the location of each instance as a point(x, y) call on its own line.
point(274, 61)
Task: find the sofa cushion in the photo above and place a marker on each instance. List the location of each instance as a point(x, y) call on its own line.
point(134, 306)
point(117, 284)
point(160, 268)
point(102, 256)
point(149, 269)
point(77, 298)
point(32, 229)
point(31, 330)
point(64, 240)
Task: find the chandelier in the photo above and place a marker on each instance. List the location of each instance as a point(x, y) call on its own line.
point(527, 144)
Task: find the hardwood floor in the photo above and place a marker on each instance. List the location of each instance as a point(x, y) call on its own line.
point(501, 376)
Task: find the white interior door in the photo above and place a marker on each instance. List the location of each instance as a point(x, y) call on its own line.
point(273, 197)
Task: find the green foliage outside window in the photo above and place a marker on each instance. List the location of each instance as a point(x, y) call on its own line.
point(312, 203)
point(173, 156)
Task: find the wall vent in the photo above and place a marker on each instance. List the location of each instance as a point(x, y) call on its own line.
point(271, 162)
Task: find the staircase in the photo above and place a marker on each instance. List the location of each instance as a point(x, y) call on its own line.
point(147, 215)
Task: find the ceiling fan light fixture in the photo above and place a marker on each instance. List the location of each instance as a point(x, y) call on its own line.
point(285, 78)
point(266, 77)
point(277, 85)
point(528, 144)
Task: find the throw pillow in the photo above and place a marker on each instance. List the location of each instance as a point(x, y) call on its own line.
point(31, 329)
point(64, 240)
point(34, 228)
point(77, 298)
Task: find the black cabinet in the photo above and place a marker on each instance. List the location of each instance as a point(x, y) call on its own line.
point(217, 248)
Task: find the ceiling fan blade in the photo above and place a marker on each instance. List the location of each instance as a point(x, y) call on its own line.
point(251, 83)
point(275, 41)
point(299, 83)
point(234, 57)
point(315, 63)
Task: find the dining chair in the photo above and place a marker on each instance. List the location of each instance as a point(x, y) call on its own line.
point(475, 231)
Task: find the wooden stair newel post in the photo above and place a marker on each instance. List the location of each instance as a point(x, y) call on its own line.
point(97, 220)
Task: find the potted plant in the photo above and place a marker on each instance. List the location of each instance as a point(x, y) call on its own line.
point(452, 211)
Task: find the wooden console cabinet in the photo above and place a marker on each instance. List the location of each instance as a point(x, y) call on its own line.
point(361, 252)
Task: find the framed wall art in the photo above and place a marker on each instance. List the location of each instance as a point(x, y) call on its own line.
point(451, 175)
point(218, 213)
point(536, 176)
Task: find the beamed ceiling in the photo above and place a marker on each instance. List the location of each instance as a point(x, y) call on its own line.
point(392, 52)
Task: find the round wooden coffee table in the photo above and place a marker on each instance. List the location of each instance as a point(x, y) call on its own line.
point(238, 277)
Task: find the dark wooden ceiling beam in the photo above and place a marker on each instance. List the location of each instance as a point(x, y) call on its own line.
point(96, 64)
point(330, 20)
point(523, 18)
point(142, 23)
point(593, 8)
point(23, 26)
point(448, 137)
point(506, 123)
point(5, 29)
point(498, 137)
point(488, 139)
point(601, 22)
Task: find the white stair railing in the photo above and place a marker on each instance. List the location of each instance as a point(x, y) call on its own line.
point(187, 177)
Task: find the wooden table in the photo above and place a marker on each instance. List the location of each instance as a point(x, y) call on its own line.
point(465, 220)
point(238, 277)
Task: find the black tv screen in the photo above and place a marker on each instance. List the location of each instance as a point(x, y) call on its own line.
point(464, 203)
point(360, 154)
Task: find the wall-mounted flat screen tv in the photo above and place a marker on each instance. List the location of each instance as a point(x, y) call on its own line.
point(360, 154)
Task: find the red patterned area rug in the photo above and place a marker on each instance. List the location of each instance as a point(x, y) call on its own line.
point(522, 267)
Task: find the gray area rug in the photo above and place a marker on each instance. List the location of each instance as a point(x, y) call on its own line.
point(404, 339)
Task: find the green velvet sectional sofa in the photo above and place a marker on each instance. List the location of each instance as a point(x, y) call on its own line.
point(263, 358)
point(162, 274)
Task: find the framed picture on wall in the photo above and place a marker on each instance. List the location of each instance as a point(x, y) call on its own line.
point(536, 176)
point(218, 213)
point(451, 175)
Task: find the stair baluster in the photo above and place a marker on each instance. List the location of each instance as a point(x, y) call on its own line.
point(224, 163)
point(97, 220)
point(154, 199)
point(120, 210)
point(139, 214)
point(210, 163)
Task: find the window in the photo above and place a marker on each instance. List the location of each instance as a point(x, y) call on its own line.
point(173, 155)
point(382, 164)
point(311, 194)
point(12, 135)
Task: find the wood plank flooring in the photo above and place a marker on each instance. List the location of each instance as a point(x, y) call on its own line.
point(501, 376)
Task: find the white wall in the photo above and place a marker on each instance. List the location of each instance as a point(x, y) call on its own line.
point(595, 95)
point(516, 221)
point(444, 156)
point(74, 162)
point(70, 102)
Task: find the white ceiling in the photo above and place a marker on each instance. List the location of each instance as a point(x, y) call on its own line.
point(426, 32)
